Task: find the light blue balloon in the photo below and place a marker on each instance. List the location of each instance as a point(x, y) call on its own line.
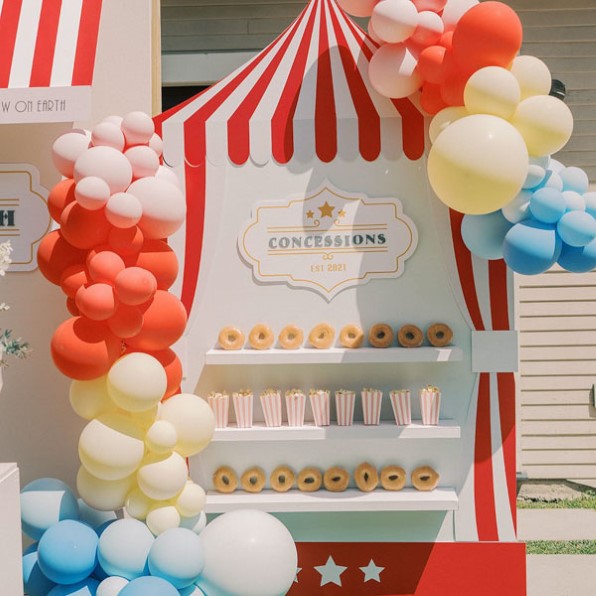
point(555, 165)
point(123, 548)
point(535, 176)
point(68, 552)
point(35, 582)
point(590, 201)
point(577, 228)
point(177, 556)
point(548, 205)
point(45, 502)
point(575, 179)
point(551, 180)
point(149, 586)
point(191, 591)
point(531, 247)
point(484, 234)
point(111, 586)
point(87, 587)
point(94, 517)
point(578, 259)
point(574, 201)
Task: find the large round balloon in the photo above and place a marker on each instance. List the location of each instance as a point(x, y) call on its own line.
point(531, 247)
point(66, 150)
point(478, 164)
point(173, 367)
point(84, 349)
point(492, 90)
point(90, 399)
point(106, 163)
point(392, 71)
point(34, 581)
point(484, 234)
point(55, 254)
point(84, 228)
point(157, 257)
point(394, 21)
point(256, 546)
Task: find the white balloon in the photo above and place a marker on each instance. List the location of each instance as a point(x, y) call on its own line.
point(392, 71)
point(92, 193)
point(106, 163)
point(518, 209)
point(247, 553)
point(168, 175)
point(429, 30)
point(162, 518)
point(373, 35)
point(66, 150)
point(104, 495)
point(164, 206)
point(107, 134)
point(117, 120)
point(137, 504)
point(111, 586)
point(454, 10)
point(394, 21)
point(123, 210)
point(358, 8)
point(162, 477)
point(156, 143)
point(138, 128)
point(144, 161)
point(191, 501)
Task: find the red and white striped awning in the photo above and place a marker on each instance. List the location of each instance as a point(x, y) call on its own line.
point(47, 55)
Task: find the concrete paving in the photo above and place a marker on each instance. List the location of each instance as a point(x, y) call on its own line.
point(561, 575)
point(556, 524)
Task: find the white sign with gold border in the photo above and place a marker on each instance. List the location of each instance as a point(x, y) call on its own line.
point(328, 241)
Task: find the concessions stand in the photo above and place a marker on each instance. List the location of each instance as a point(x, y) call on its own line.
point(294, 145)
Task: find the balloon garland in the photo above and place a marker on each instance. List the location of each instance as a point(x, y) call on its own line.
point(115, 208)
point(493, 130)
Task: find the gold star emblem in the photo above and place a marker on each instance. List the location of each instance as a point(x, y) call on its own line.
point(310, 214)
point(326, 210)
point(342, 213)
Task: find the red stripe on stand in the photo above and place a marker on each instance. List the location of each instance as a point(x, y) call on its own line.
point(82, 73)
point(484, 494)
point(45, 44)
point(9, 24)
point(499, 300)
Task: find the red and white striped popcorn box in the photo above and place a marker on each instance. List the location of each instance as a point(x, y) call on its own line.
point(430, 405)
point(344, 407)
point(220, 404)
point(295, 406)
point(320, 403)
point(271, 403)
point(402, 407)
point(371, 406)
point(243, 408)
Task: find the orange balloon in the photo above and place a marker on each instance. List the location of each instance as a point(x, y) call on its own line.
point(126, 321)
point(431, 64)
point(84, 349)
point(164, 321)
point(126, 242)
point(452, 89)
point(72, 307)
point(55, 254)
point(72, 279)
point(84, 228)
point(135, 285)
point(104, 265)
point(447, 40)
point(96, 301)
point(159, 258)
point(60, 196)
point(431, 100)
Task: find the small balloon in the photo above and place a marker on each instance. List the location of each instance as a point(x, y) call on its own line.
point(484, 234)
point(533, 76)
point(392, 71)
point(575, 179)
point(124, 210)
point(144, 161)
point(107, 134)
point(519, 208)
point(548, 205)
point(92, 193)
point(60, 196)
point(162, 517)
point(162, 477)
point(106, 163)
point(66, 150)
point(138, 128)
point(577, 228)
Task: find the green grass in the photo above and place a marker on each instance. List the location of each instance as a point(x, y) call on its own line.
point(561, 547)
point(587, 501)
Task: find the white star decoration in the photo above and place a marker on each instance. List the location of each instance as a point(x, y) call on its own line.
point(372, 572)
point(298, 570)
point(330, 572)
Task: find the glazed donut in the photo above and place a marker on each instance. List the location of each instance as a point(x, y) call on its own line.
point(225, 480)
point(439, 335)
point(425, 478)
point(291, 337)
point(231, 338)
point(282, 479)
point(336, 479)
point(351, 337)
point(321, 336)
point(380, 335)
point(410, 336)
point(261, 337)
point(366, 477)
point(253, 480)
point(393, 478)
point(309, 479)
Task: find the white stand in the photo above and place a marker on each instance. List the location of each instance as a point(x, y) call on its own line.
point(11, 574)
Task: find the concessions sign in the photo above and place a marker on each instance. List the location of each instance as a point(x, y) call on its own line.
point(328, 241)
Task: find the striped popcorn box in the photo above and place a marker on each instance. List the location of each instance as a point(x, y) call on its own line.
point(371, 406)
point(271, 403)
point(243, 408)
point(430, 405)
point(295, 406)
point(344, 407)
point(320, 402)
point(220, 404)
point(400, 402)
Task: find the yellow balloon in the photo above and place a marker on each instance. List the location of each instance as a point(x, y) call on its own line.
point(161, 437)
point(545, 123)
point(492, 90)
point(111, 447)
point(193, 420)
point(161, 518)
point(478, 164)
point(162, 477)
point(443, 119)
point(191, 501)
point(90, 399)
point(137, 504)
point(105, 495)
point(533, 76)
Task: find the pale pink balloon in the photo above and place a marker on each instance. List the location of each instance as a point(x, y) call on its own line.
point(107, 134)
point(168, 174)
point(117, 120)
point(124, 210)
point(454, 10)
point(358, 8)
point(156, 144)
point(144, 161)
point(373, 35)
point(67, 148)
point(392, 71)
point(138, 128)
point(92, 192)
point(433, 5)
point(429, 30)
point(394, 21)
point(164, 206)
point(106, 163)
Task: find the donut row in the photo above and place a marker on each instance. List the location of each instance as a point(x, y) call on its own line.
point(322, 336)
point(335, 479)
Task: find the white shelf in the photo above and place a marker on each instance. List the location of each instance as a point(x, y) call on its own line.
point(408, 499)
point(447, 429)
point(333, 356)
